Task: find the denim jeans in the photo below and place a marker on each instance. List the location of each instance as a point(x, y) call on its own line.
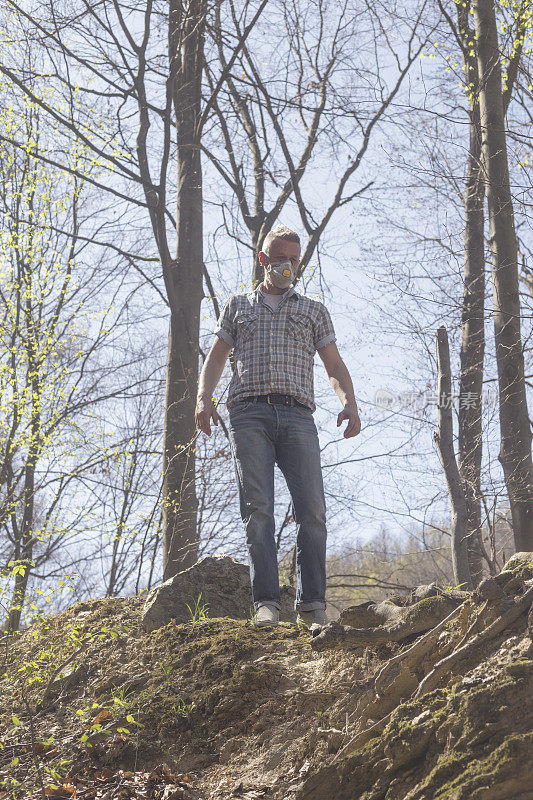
point(262, 435)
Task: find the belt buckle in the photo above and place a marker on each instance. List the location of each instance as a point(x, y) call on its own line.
point(268, 400)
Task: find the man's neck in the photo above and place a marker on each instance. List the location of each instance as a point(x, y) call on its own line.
point(271, 289)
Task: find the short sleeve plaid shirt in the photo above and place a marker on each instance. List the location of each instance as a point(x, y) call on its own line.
point(274, 350)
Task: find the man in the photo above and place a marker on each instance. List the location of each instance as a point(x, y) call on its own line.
point(274, 332)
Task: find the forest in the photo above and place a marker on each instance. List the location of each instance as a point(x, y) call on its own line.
point(146, 151)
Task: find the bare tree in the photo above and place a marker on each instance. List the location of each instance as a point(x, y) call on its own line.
point(278, 116)
point(52, 371)
point(444, 440)
point(470, 416)
point(435, 132)
point(109, 61)
point(515, 451)
point(470, 445)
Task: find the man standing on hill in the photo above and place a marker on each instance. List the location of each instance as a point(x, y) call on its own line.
point(275, 332)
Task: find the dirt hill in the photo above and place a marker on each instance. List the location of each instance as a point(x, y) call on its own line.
point(427, 697)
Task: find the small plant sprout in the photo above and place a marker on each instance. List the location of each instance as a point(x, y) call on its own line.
point(450, 587)
point(199, 611)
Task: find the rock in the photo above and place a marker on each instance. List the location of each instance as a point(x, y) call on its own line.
point(224, 585)
point(518, 560)
point(530, 623)
point(423, 591)
point(516, 571)
point(68, 678)
point(363, 615)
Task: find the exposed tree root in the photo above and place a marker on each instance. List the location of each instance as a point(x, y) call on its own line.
point(447, 665)
point(397, 680)
point(391, 623)
point(413, 656)
point(360, 739)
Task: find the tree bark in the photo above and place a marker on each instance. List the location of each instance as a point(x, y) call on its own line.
point(180, 504)
point(515, 431)
point(444, 441)
point(470, 446)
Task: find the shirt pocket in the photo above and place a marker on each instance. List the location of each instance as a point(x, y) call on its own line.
point(245, 325)
point(301, 329)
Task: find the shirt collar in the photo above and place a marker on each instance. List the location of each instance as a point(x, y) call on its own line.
point(291, 291)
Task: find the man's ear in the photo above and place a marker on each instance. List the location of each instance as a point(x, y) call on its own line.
point(262, 258)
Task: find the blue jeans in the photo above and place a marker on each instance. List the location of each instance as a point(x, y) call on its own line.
point(262, 435)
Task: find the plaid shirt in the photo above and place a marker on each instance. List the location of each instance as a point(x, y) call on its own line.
point(274, 350)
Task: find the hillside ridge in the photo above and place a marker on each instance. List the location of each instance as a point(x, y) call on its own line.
point(94, 705)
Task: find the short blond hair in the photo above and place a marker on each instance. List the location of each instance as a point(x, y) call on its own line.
point(281, 232)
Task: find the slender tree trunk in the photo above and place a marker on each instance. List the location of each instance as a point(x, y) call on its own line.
point(473, 330)
point(180, 504)
point(515, 449)
point(444, 440)
point(472, 354)
point(24, 547)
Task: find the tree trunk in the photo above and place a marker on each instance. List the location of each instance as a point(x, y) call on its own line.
point(470, 448)
point(24, 547)
point(515, 449)
point(444, 441)
point(180, 534)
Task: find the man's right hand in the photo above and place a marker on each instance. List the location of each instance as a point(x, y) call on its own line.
point(205, 411)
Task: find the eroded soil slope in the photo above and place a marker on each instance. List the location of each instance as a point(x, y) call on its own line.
point(94, 706)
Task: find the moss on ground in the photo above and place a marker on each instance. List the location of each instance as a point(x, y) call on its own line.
point(458, 776)
point(426, 608)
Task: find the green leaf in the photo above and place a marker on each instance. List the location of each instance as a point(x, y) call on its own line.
point(15, 720)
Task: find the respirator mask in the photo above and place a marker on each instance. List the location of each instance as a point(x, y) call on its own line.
point(281, 273)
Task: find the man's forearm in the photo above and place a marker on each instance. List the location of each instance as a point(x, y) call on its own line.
point(342, 384)
point(209, 377)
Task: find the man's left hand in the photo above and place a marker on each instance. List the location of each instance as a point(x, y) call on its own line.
point(350, 413)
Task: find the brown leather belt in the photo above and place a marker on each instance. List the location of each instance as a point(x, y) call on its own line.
point(273, 399)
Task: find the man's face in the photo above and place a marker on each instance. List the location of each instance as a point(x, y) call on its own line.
point(282, 250)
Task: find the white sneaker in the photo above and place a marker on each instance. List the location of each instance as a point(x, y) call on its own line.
point(315, 617)
point(266, 615)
